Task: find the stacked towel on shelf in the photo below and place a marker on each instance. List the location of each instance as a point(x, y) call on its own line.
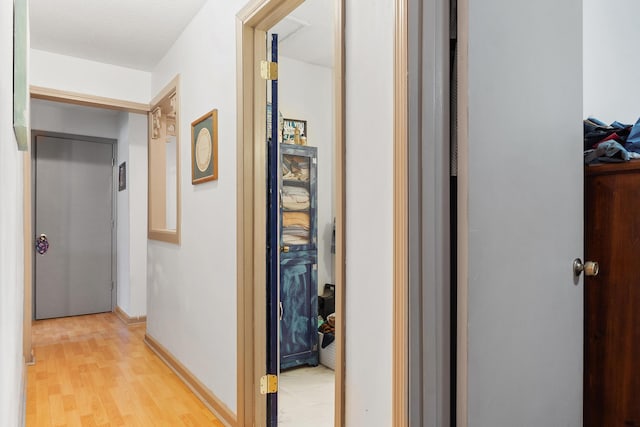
point(295, 198)
point(295, 228)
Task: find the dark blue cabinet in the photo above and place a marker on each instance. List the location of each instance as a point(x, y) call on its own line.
point(298, 256)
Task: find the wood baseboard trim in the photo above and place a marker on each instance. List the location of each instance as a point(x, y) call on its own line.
point(219, 409)
point(23, 394)
point(128, 320)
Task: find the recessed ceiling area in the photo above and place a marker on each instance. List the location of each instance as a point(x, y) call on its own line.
point(130, 33)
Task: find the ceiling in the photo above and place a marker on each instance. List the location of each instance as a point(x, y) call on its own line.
point(307, 34)
point(138, 33)
point(129, 33)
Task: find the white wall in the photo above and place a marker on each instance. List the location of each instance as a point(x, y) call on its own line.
point(11, 236)
point(131, 132)
point(369, 228)
point(61, 72)
point(611, 33)
point(132, 215)
point(137, 194)
point(305, 92)
point(192, 307)
point(123, 294)
point(73, 119)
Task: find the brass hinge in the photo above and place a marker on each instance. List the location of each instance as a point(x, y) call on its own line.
point(269, 70)
point(269, 384)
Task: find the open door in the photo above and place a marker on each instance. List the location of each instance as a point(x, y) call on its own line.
point(273, 244)
point(521, 213)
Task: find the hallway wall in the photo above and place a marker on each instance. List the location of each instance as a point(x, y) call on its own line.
point(11, 236)
point(132, 215)
point(62, 72)
point(73, 119)
point(369, 228)
point(192, 287)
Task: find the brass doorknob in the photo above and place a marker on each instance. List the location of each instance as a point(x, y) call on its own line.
point(284, 249)
point(590, 268)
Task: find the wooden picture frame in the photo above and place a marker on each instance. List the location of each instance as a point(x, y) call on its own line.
point(288, 131)
point(204, 148)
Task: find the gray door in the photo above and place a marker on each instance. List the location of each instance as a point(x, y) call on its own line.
point(73, 209)
point(525, 213)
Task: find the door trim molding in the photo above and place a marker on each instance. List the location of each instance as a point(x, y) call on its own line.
point(400, 218)
point(462, 348)
point(252, 23)
point(49, 94)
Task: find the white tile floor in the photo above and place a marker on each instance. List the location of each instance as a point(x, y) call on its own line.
point(306, 397)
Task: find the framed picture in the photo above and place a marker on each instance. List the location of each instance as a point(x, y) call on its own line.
point(122, 176)
point(294, 131)
point(20, 81)
point(204, 148)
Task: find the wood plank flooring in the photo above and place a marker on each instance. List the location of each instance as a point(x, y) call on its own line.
point(95, 371)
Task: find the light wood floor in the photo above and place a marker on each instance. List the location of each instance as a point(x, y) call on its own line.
point(95, 371)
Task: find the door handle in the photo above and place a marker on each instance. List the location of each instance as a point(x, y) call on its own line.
point(284, 249)
point(590, 268)
point(281, 310)
point(42, 244)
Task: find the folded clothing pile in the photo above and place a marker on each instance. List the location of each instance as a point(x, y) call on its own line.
point(295, 168)
point(617, 142)
point(295, 228)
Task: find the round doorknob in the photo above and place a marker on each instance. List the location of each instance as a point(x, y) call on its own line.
point(590, 268)
point(42, 244)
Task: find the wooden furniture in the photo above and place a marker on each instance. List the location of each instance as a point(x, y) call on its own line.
point(612, 299)
point(298, 257)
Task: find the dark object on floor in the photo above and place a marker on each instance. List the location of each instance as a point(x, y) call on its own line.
point(327, 301)
point(327, 339)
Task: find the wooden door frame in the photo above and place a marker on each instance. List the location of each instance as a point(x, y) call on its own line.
point(66, 97)
point(400, 385)
point(462, 348)
point(253, 22)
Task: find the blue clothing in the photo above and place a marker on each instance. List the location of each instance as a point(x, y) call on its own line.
point(634, 135)
point(597, 122)
point(607, 152)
